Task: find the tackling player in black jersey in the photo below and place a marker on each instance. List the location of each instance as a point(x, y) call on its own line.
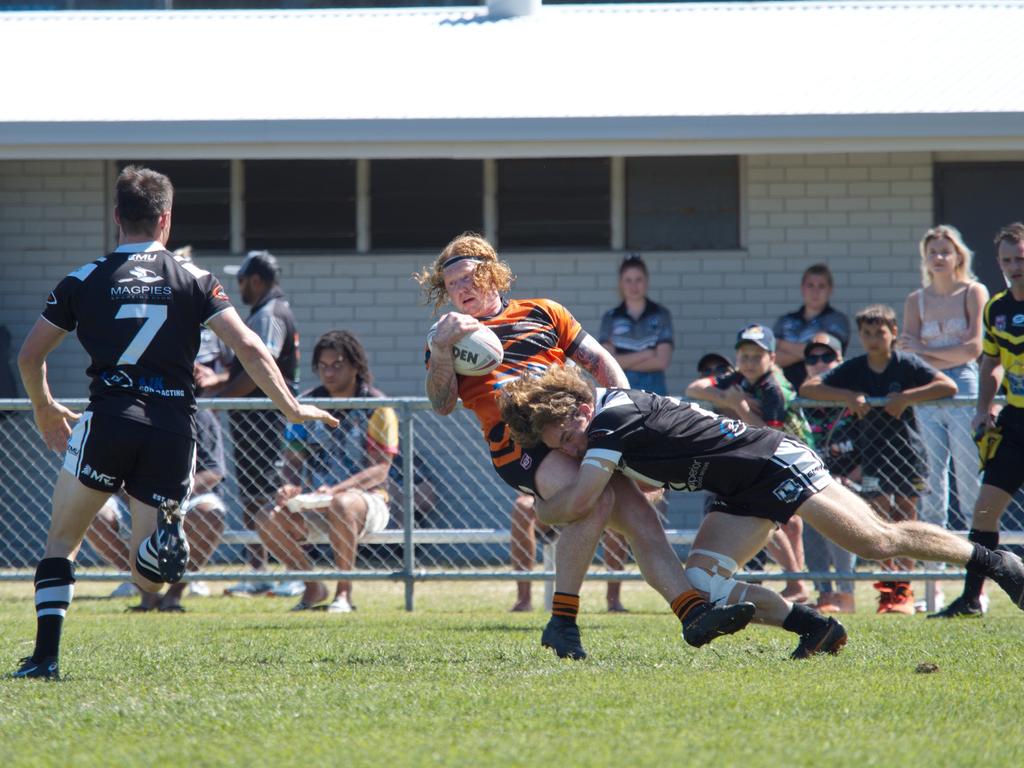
point(137, 312)
point(761, 478)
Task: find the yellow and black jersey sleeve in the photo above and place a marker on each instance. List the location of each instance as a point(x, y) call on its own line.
point(1004, 338)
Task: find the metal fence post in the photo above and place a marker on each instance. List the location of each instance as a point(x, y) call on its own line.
point(408, 504)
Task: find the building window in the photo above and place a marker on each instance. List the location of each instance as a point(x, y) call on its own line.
point(555, 202)
point(297, 205)
point(424, 203)
point(682, 203)
point(202, 202)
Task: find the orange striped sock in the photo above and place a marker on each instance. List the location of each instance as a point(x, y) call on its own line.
point(686, 602)
point(565, 605)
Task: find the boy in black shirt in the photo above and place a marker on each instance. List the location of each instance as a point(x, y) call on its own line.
point(762, 478)
point(894, 469)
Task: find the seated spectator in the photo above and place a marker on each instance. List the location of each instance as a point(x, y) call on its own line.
point(758, 394)
point(638, 332)
point(815, 316)
point(349, 464)
point(110, 532)
point(893, 468)
point(833, 439)
point(524, 528)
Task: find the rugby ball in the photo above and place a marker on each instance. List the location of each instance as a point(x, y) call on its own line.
point(476, 353)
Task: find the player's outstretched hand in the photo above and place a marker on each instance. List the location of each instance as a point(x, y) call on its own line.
point(52, 423)
point(312, 413)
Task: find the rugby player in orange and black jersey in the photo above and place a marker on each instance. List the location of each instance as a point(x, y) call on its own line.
point(534, 334)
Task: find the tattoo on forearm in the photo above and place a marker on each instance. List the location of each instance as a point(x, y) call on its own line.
point(599, 363)
point(441, 393)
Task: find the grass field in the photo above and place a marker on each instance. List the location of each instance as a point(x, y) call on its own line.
point(460, 682)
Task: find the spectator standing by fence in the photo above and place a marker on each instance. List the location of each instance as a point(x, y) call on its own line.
point(257, 435)
point(1002, 437)
point(832, 437)
point(638, 332)
point(942, 326)
point(894, 470)
point(815, 316)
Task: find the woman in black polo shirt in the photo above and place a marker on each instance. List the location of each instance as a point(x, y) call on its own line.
point(638, 332)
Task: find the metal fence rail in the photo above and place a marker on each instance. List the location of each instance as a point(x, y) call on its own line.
point(448, 515)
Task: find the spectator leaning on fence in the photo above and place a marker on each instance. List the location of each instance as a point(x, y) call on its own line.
point(257, 434)
point(761, 396)
point(137, 312)
point(1001, 442)
point(349, 466)
point(815, 316)
point(832, 437)
point(535, 334)
point(638, 332)
point(893, 466)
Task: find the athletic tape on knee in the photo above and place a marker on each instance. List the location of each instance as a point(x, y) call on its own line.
point(718, 584)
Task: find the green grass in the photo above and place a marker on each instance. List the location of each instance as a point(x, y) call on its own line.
point(460, 682)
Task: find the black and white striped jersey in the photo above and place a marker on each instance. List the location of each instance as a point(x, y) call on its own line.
point(663, 441)
point(138, 312)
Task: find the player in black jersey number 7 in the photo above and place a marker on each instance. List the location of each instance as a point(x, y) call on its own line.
point(761, 477)
point(137, 312)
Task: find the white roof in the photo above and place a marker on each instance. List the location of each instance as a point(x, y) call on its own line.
point(921, 74)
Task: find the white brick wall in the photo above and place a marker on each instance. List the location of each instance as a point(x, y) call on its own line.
point(862, 214)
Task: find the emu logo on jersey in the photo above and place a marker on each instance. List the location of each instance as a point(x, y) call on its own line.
point(141, 274)
point(788, 492)
point(116, 378)
point(142, 257)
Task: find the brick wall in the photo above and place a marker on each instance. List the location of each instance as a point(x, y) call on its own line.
point(860, 213)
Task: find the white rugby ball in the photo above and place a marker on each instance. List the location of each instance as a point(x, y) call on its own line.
point(476, 353)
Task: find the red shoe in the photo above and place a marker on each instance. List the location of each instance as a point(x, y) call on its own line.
point(902, 599)
point(885, 590)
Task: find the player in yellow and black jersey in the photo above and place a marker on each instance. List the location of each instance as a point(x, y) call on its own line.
point(1000, 438)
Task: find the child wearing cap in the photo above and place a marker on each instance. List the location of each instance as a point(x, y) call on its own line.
point(887, 438)
point(759, 394)
point(832, 437)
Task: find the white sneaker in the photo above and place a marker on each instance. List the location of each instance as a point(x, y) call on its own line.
point(198, 589)
point(340, 605)
point(125, 589)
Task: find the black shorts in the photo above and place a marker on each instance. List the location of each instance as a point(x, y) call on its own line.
point(258, 438)
point(789, 478)
point(514, 464)
point(107, 452)
point(1005, 470)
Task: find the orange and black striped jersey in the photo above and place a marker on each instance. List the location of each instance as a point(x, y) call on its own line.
point(1004, 338)
point(535, 334)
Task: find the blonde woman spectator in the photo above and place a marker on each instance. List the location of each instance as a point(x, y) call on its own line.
point(942, 325)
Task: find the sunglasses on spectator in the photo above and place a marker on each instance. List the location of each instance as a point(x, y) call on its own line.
point(821, 357)
point(715, 370)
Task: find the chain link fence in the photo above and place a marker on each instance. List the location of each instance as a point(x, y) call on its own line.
point(398, 492)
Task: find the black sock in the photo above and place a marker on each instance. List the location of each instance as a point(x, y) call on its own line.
point(803, 619)
point(55, 580)
point(977, 566)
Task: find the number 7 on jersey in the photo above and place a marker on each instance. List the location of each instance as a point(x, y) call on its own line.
point(154, 314)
